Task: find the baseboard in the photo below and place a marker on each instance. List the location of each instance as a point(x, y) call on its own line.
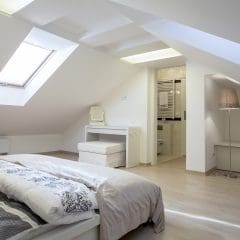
point(145, 164)
point(202, 173)
point(195, 172)
point(57, 151)
point(210, 171)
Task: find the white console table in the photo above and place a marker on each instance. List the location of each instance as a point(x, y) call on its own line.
point(222, 156)
point(131, 135)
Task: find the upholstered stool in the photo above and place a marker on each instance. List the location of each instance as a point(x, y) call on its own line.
point(110, 154)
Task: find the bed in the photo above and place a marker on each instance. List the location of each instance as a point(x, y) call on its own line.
point(123, 200)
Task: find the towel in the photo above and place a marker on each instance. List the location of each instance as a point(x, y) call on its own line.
point(163, 99)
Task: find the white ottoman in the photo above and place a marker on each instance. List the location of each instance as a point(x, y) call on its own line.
point(110, 154)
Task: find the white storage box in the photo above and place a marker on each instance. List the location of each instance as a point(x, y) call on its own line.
point(111, 154)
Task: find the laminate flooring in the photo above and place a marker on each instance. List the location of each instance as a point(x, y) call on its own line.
point(197, 207)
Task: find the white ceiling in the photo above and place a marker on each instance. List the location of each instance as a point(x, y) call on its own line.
point(99, 24)
point(107, 30)
point(218, 17)
point(11, 39)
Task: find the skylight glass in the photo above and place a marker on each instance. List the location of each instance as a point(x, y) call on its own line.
point(24, 63)
point(152, 56)
point(12, 6)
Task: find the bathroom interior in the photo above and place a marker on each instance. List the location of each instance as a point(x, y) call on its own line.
point(171, 113)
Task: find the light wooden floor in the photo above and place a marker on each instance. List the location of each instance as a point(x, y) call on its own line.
point(196, 207)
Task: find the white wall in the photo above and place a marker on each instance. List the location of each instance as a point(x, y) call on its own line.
point(35, 143)
point(85, 78)
point(75, 134)
point(235, 120)
point(214, 120)
point(217, 121)
point(195, 106)
point(127, 105)
point(235, 129)
point(152, 117)
point(15, 32)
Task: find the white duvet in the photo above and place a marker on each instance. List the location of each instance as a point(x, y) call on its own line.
point(56, 200)
point(125, 200)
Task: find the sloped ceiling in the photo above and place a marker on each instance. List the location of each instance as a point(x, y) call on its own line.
point(85, 78)
point(221, 18)
point(205, 32)
point(96, 23)
point(207, 49)
point(11, 39)
point(106, 31)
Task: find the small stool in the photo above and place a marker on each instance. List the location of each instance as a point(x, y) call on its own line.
point(109, 154)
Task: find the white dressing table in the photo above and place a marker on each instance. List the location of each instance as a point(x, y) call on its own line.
point(129, 135)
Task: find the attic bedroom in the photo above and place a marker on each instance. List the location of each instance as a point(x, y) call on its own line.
point(119, 120)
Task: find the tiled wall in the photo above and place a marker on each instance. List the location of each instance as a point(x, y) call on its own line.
point(171, 73)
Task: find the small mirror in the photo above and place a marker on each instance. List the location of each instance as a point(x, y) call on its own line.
point(97, 115)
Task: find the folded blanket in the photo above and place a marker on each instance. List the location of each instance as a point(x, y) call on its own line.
point(56, 200)
point(15, 217)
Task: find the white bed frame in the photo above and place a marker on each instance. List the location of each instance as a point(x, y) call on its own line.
point(84, 230)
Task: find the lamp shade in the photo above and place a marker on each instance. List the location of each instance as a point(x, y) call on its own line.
point(228, 99)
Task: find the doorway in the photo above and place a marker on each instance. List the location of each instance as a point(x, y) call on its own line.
point(171, 114)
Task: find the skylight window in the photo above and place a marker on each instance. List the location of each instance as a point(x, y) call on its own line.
point(152, 56)
point(24, 64)
point(13, 6)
